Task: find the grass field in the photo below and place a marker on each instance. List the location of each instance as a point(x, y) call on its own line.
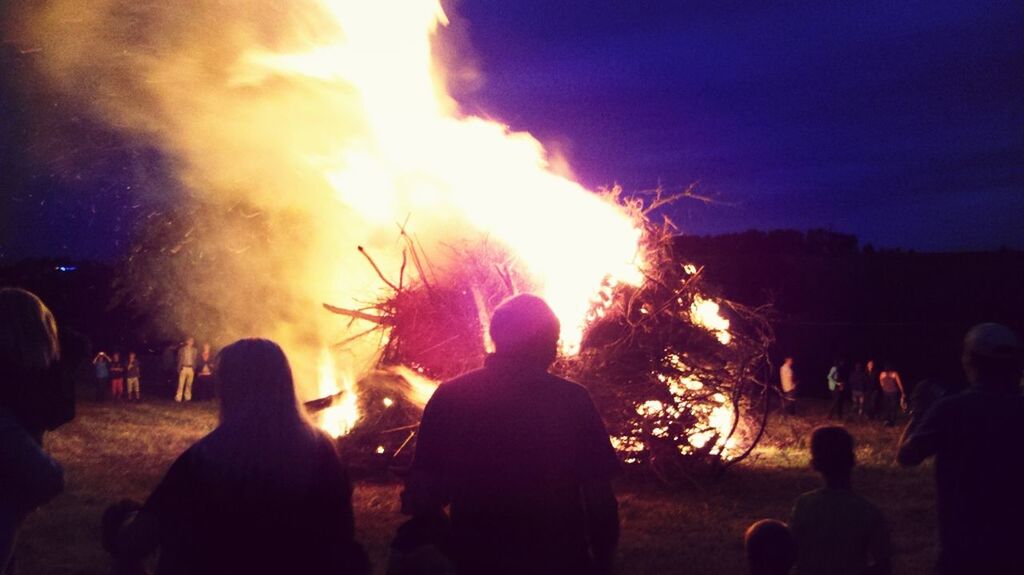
point(113, 451)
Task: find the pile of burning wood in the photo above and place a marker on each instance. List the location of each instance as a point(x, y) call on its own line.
point(678, 373)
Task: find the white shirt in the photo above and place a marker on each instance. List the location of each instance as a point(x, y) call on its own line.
point(786, 376)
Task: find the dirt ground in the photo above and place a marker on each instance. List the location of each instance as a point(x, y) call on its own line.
point(113, 451)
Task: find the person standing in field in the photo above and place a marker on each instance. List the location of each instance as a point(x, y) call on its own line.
point(204, 386)
point(133, 373)
point(101, 363)
point(874, 394)
point(186, 370)
point(521, 457)
point(860, 381)
point(893, 394)
point(787, 381)
point(837, 388)
point(116, 377)
point(29, 356)
point(837, 531)
point(263, 493)
point(976, 437)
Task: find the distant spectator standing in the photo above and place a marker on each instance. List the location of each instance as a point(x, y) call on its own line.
point(787, 381)
point(893, 394)
point(101, 363)
point(874, 393)
point(771, 548)
point(134, 373)
point(204, 387)
point(837, 531)
point(860, 382)
point(29, 358)
point(837, 387)
point(976, 437)
point(116, 377)
point(186, 370)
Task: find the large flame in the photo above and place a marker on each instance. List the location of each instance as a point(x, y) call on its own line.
point(329, 120)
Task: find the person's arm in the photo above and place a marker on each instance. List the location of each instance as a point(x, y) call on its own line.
point(921, 437)
point(879, 548)
point(596, 465)
point(602, 511)
point(426, 491)
point(30, 477)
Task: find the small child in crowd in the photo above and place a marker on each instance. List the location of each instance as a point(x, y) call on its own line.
point(116, 377)
point(837, 531)
point(771, 548)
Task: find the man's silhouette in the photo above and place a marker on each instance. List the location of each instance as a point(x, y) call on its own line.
point(521, 456)
point(977, 438)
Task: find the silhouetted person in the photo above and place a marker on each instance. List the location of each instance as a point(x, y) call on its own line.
point(521, 456)
point(874, 397)
point(860, 382)
point(837, 381)
point(837, 531)
point(976, 437)
point(771, 548)
point(29, 355)
point(264, 492)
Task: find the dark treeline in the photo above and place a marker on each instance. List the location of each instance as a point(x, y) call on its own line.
point(830, 296)
point(833, 298)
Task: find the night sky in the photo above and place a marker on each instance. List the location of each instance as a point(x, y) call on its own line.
point(899, 122)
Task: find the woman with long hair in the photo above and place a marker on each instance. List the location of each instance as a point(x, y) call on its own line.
point(29, 352)
point(264, 492)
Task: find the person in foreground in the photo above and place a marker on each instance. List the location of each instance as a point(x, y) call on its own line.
point(264, 492)
point(521, 456)
point(837, 531)
point(29, 353)
point(976, 438)
point(771, 548)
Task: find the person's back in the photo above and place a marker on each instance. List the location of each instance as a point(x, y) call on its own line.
point(976, 437)
point(215, 518)
point(837, 531)
point(265, 492)
point(514, 449)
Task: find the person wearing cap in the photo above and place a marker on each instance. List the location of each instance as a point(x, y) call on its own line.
point(520, 456)
point(977, 437)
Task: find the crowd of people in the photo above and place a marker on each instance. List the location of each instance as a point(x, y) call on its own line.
point(119, 379)
point(512, 474)
point(874, 391)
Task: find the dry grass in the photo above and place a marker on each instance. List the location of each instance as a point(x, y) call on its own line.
point(114, 450)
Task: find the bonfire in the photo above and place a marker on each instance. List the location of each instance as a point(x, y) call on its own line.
point(678, 373)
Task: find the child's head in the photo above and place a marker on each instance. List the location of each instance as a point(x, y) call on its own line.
point(771, 547)
point(832, 452)
point(117, 356)
point(131, 356)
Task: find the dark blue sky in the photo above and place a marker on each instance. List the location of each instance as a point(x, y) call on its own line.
point(900, 122)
